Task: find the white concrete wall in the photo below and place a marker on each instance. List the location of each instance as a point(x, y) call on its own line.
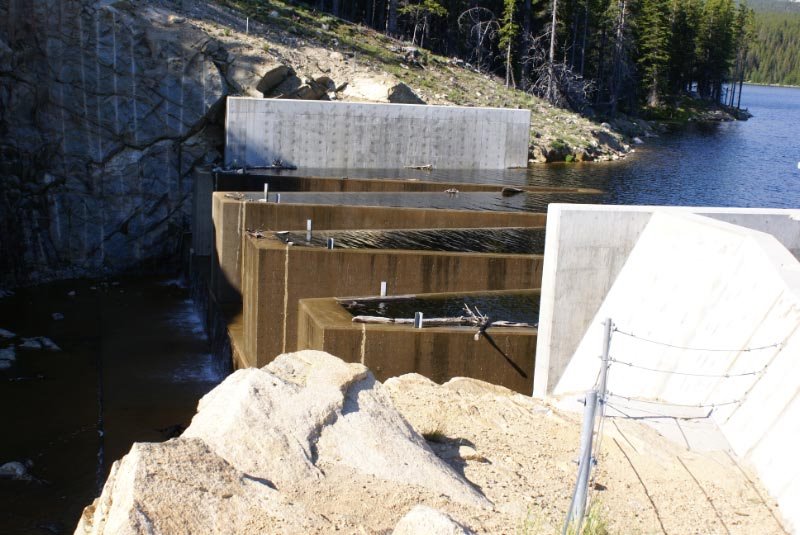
point(585, 249)
point(372, 136)
point(695, 282)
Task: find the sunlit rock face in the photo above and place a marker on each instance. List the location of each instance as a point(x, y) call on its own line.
point(106, 108)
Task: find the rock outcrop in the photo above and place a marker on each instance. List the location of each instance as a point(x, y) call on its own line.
point(268, 448)
point(181, 486)
point(105, 110)
point(311, 444)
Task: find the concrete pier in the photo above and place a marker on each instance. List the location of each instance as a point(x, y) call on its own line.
point(276, 276)
point(373, 136)
point(439, 353)
point(232, 216)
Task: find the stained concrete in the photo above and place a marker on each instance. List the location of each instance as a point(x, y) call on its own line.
point(373, 136)
point(276, 276)
point(697, 282)
point(439, 353)
point(586, 246)
point(231, 217)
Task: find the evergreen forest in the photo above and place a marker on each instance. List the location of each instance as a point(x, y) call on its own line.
point(774, 56)
point(588, 55)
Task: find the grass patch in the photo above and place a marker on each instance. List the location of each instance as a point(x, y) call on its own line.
point(436, 434)
point(593, 523)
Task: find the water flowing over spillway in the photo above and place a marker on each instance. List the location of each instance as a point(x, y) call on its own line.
point(504, 240)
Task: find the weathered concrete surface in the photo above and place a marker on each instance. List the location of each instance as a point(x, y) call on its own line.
point(586, 247)
point(372, 136)
point(231, 217)
point(696, 282)
point(439, 353)
point(276, 276)
point(105, 109)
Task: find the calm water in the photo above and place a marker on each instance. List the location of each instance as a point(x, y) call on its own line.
point(132, 364)
point(742, 163)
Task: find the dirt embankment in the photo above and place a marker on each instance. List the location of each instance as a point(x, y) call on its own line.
point(326, 58)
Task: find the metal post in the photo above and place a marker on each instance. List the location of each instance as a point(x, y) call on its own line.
point(383, 288)
point(608, 324)
point(247, 26)
point(308, 230)
point(578, 505)
point(330, 243)
point(278, 198)
point(266, 191)
point(418, 320)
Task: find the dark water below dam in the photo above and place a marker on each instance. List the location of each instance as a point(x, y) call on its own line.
point(132, 364)
point(505, 241)
point(522, 307)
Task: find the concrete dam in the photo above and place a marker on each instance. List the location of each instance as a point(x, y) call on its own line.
point(288, 248)
point(306, 232)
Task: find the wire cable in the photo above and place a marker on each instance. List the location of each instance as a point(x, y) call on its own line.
point(689, 405)
point(689, 374)
point(687, 348)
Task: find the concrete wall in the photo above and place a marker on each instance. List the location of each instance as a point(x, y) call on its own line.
point(231, 217)
point(586, 247)
point(202, 229)
point(696, 282)
point(439, 353)
point(350, 135)
point(277, 276)
point(281, 181)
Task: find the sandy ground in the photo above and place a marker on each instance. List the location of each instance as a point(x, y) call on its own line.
point(521, 454)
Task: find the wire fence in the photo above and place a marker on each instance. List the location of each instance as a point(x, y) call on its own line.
point(587, 469)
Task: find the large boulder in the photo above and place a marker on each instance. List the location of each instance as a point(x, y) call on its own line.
point(181, 486)
point(273, 76)
point(402, 94)
point(308, 444)
point(384, 88)
point(309, 409)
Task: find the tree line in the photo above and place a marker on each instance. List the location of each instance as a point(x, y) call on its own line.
point(774, 56)
point(600, 55)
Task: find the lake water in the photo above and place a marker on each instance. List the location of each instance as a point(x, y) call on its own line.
point(742, 163)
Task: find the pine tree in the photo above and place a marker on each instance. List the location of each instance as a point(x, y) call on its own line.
point(509, 30)
point(653, 32)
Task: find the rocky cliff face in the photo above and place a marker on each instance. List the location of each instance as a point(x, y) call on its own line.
point(106, 107)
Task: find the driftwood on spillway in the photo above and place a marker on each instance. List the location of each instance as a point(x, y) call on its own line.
point(434, 322)
point(350, 301)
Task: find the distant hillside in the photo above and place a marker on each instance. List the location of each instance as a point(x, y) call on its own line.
point(774, 56)
point(774, 6)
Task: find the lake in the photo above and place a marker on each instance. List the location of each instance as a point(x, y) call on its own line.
point(742, 163)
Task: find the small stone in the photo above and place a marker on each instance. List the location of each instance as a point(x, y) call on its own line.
point(423, 520)
point(6, 334)
point(30, 343)
point(16, 471)
point(71, 293)
point(57, 316)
